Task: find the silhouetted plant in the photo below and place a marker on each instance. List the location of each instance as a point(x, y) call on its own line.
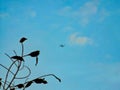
point(18, 62)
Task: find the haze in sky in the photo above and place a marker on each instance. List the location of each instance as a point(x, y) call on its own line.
point(88, 29)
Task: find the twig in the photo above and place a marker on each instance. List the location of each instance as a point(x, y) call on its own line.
point(14, 75)
point(51, 75)
point(6, 69)
point(15, 52)
point(10, 59)
point(7, 74)
point(22, 50)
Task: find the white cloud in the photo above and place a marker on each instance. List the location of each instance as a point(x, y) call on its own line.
point(33, 14)
point(108, 56)
point(66, 11)
point(103, 14)
point(68, 28)
point(3, 15)
point(80, 40)
point(86, 13)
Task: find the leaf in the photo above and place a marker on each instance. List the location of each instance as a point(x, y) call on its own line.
point(28, 84)
point(34, 53)
point(0, 82)
point(22, 39)
point(20, 85)
point(36, 61)
point(39, 81)
point(17, 58)
point(44, 82)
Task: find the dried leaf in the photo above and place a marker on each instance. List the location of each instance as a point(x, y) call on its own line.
point(28, 84)
point(0, 84)
point(44, 82)
point(20, 85)
point(17, 58)
point(36, 60)
point(34, 53)
point(22, 39)
point(39, 81)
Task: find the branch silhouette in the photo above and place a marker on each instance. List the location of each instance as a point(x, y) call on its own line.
point(18, 63)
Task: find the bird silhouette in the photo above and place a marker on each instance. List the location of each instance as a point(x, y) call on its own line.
point(62, 45)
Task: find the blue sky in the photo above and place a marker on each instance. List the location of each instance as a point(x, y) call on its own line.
point(89, 29)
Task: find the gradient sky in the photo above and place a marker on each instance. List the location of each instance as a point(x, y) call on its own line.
point(90, 30)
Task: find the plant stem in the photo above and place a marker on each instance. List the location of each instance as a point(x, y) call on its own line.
point(22, 50)
point(8, 73)
point(6, 69)
point(51, 75)
point(14, 75)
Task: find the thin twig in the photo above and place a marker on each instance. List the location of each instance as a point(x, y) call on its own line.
point(46, 76)
point(51, 75)
point(7, 74)
point(10, 59)
point(15, 52)
point(26, 75)
point(6, 69)
point(14, 75)
point(22, 50)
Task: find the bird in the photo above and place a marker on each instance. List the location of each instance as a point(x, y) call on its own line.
point(62, 45)
point(22, 39)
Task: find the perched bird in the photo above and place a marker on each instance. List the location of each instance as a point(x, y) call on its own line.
point(62, 45)
point(22, 39)
point(17, 58)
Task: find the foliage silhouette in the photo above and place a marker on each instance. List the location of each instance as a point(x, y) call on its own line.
point(34, 54)
point(28, 84)
point(22, 39)
point(17, 58)
point(17, 61)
